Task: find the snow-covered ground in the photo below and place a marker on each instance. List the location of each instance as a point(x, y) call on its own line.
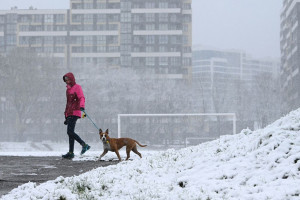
point(57, 149)
point(262, 164)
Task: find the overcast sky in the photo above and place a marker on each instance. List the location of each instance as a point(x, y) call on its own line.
point(249, 25)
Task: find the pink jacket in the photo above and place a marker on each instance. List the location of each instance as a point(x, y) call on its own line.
point(75, 97)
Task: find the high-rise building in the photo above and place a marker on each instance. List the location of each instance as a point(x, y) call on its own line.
point(290, 54)
point(107, 33)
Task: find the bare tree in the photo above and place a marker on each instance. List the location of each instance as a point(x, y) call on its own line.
point(25, 86)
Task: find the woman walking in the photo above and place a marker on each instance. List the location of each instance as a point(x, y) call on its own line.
point(75, 104)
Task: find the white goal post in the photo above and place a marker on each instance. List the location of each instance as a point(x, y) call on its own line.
point(176, 115)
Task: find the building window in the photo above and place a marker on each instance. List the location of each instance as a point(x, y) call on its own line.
point(60, 18)
point(11, 40)
point(37, 18)
point(88, 5)
point(163, 61)
point(125, 28)
point(60, 40)
point(185, 28)
point(1, 19)
point(48, 49)
point(113, 27)
point(175, 61)
point(126, 6)
point(113, 49)
point(162, 49)
point(87, 49)
point(101, 49)
point(163, 5)
point(163, 26)
point(186, 6)
point(59, 49)
point(150, 26)
point(149, 49)
point(48, 18)
point(150, 17)
point(49, 28)
point(88, 18)
point(60, 28)
point(101, 18)
point(101, 40)
point(187, 18)
point(88, 40)
point(24, 40)
point(24, 19)
point(150, 5)
point(150, 39)
point(163, 17)
point(186, 61)
point(1, 41)
point(112, 40)
point(185, 40)
point(137, 18)
point(150, 61)
point(76, 39)
point(77, 6)
point(11, 28)
point(163, 39)
point(126, 60)
point(101, 5)
point(23, 28)
point(126, 38)
point(126, 48)
point(77, 17)
point(11, 18)
point(125, 17)
point(48, 40)
point(88, 27)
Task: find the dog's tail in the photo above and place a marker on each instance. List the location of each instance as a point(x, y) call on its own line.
point(140, 144)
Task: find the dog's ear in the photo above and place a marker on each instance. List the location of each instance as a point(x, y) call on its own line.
point(100, 130)
point(106, 131)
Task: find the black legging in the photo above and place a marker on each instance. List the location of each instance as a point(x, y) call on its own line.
point(71, 120)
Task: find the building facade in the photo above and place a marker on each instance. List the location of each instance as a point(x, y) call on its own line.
point(290, 54)
point(107, 33)
point(220, 70)
point(221, 66)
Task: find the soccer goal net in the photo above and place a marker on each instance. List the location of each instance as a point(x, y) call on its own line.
point(175, 130)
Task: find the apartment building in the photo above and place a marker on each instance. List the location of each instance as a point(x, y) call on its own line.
point(290, 54)
point(222, 69)
point(230, 65)
point(107, 33)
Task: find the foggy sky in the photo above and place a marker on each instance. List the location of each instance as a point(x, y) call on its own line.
point(249, 25)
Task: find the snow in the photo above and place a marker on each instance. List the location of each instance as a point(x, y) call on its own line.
point(261, 164)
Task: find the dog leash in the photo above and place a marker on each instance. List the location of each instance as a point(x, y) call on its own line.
point(86, 115)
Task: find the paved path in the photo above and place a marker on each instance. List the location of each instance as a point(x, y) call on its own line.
point(15, 171)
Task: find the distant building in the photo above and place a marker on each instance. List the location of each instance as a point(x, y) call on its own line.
point(112, 33)
point(290, 54)
point(221, 69)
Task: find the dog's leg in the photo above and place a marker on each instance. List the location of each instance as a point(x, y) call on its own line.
point(136, 151)
point(103, 154)
point(128, 149)
point(117, 152)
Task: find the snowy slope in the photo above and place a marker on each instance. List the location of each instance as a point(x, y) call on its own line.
point(262, 164)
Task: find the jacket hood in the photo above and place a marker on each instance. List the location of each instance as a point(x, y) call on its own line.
point(71, 77)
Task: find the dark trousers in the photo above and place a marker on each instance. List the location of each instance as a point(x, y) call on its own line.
point(71, 120)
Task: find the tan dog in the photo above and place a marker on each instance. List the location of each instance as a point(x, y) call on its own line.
point(114, 144)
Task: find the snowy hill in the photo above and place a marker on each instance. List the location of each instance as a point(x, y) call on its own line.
point(262, 164)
